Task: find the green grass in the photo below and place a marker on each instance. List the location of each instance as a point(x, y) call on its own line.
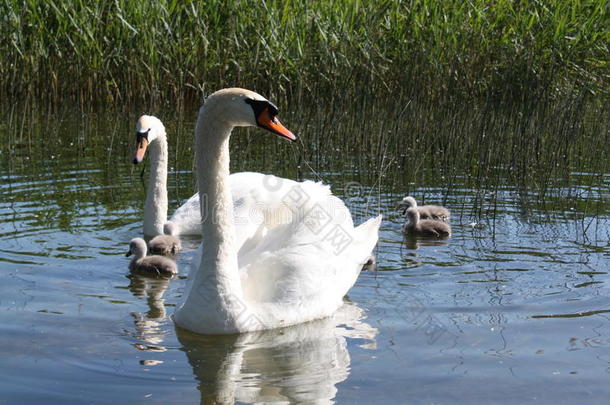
point(108, 52)
point(412, 93)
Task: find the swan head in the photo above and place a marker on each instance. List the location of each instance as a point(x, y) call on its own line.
point(169, 228)
point(137, 248)
point(409, 202)
point(244, 108)
point(148, 129)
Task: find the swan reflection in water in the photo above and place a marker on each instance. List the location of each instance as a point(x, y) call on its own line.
point(415, 242)
point(301, 363)
point(149, 326)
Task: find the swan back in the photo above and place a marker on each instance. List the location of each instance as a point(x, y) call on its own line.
point(316, 252)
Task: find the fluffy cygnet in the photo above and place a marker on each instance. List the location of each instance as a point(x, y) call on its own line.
point(427, 211)
point(424, 227)
point(167, 244)
point(149, 265)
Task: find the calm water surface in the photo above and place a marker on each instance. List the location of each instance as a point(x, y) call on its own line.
point(513, 308)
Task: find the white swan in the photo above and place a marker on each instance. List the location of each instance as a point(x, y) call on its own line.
point(253, 193)
point(294, 272)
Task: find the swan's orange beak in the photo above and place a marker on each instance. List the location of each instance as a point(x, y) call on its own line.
point(272, 124)
point(141, 145)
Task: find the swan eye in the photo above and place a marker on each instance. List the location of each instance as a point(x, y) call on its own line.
point(265, 114)
point(258, 106)
point(142, 135)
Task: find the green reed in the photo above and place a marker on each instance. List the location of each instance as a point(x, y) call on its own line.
point(407, 93)
point(554, 152)
point(554, 156)
point(122, 51)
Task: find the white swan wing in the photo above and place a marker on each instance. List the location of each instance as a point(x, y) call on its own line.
point(257, 200)
point(312, 261)
point(187, 217)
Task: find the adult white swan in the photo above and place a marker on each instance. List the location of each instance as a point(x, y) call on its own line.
point(151, 136)
point(255, 195)
point(297, 271)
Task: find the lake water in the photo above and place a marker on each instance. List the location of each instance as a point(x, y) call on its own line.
point(513, 308)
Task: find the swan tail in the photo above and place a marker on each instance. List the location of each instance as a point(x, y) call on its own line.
point(366, 236)
point(364, 240)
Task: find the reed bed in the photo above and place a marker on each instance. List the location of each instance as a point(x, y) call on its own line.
point(125, 51)
point(411, 94)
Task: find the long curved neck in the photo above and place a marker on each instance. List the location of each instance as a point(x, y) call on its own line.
point(413, 216)
point(215, 289)
point(219, 254)
point(155, 208)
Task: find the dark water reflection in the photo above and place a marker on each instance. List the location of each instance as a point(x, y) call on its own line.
point(513, 307)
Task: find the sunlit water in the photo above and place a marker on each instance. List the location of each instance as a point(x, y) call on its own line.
point(513, 307)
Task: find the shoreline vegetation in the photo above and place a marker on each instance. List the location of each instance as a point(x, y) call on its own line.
point(417, 92)
point(92, 53)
